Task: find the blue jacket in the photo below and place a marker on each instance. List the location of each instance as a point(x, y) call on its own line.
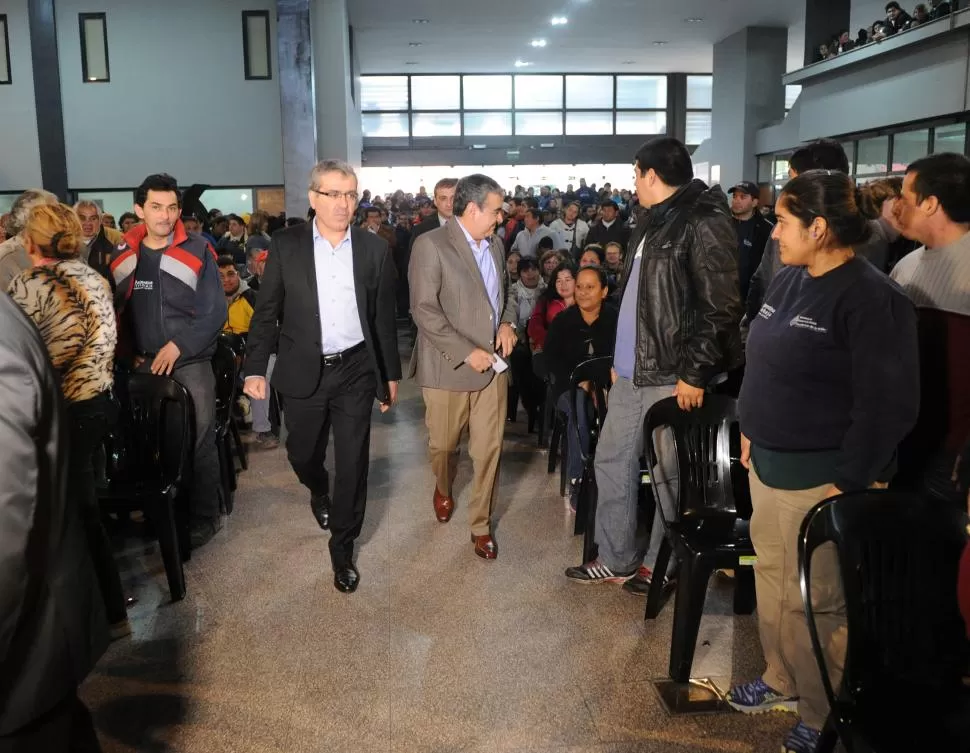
point(192, 298)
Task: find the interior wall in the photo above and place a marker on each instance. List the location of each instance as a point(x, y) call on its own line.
point(178, 100)
point(19, 147)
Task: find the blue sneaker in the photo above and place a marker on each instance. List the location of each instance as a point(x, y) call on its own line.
point(757, 698)
point(802, 739)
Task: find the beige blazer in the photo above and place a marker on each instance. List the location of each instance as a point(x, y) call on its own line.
point(451, 309)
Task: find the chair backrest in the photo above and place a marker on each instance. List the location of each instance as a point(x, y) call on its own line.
point(153, 441)
point(591, 371)
point(702, 439)
point(898, 557)
point(225, 365)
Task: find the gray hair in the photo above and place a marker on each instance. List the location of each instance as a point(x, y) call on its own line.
point(87, 204)
point(330, 166)
point(474, 189)
point(20, 210)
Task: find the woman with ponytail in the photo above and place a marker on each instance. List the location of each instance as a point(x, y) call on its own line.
point(72, 307)
point(831, 387)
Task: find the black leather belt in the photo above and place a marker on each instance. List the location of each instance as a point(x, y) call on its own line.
point(335, 359)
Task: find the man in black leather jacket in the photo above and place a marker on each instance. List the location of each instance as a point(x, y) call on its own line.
point(680, 309)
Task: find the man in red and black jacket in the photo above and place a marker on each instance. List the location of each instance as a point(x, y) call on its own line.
point(169, 296)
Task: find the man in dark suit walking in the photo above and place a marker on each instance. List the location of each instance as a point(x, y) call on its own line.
point(331, 288)
point(444, 201)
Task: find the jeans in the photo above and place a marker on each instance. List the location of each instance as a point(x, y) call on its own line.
point(89, 421)
point(260, 408)
point(617, 467)
point(577, 420)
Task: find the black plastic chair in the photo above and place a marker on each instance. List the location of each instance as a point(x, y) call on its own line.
point(225, 365)
point(709, 532)
point(148, 464)
point(907, 649)
point(596, 408)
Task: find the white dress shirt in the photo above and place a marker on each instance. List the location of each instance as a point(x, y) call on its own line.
point(527, 243)
point(340, 327)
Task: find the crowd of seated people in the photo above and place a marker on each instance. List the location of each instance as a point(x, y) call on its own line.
point(896, 21)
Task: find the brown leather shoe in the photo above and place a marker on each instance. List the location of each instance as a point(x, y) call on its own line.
point(443, 506)
point(485, 546)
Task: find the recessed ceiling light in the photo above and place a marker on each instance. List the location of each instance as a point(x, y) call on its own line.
point(415, 44)
point(659, 43)
point(521, 64)
point(559, 21)
point(420, 21)
point(538, 42)
point(629, 62)
point(411, 62)
point(694, 20)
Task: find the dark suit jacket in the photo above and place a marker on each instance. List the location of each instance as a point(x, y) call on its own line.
point(288, 295)
point(52, 622)
point(432, 223)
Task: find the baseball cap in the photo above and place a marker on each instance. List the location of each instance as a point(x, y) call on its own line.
point(506, 207)
point(746, 186)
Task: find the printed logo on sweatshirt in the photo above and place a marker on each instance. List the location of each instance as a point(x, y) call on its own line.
point(766, 311)
point(144, 285)
point(806, 322)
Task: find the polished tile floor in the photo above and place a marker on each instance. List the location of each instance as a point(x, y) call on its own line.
point(437, 652)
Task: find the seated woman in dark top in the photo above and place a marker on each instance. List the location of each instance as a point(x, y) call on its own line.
point(830, 389)
point(586, 330)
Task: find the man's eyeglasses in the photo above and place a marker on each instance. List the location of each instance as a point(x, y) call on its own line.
point(335, 195)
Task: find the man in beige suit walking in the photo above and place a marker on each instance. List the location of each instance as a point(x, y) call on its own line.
point(465, 331)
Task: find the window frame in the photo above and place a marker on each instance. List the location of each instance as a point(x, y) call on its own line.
point(5, 38)
point(82, 19)
point(247, 68)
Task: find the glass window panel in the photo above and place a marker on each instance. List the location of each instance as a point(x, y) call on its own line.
point(950, 138)
point(873, 155)
point(791, 94)
point(641, 92)
point(384, 125)
point(94, 47)
point(589, 123)
point(435, 92)
point(488, 124)
point(698, 127)
point(487, 92)
point(588, 92)
point(256, 44)
point(538, 123)
point(384, 93)
point(641, 123)
point(538, 93)
point(699, 92)
point(909, 147)
point(781, 168)
point(436, 124)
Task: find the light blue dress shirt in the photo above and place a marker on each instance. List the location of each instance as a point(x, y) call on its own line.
point(339, 319)
point(486, 265)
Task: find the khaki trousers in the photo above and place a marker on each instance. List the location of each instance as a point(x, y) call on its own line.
point(483, 412)
point(792, 668)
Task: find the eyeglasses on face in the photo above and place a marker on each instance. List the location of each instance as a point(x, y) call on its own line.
point(337, 195)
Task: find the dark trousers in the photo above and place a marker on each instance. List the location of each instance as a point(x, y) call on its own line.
point(89, 421)
point(530, 388)
point(344, 399)
point(66, 728)
point(577, 427)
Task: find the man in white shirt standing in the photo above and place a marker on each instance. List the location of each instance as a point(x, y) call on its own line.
point(571, 229)
point(527, 242)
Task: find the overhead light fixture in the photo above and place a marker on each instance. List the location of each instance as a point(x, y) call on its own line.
point(694, 20)
point(521, 64)
point(629, 62)
point(478, 146)
point(546, 146)
point(420, 21)
point(559, 21)
point(659, 43)
point(415, 44)
point(538, 42)
point(410, 62)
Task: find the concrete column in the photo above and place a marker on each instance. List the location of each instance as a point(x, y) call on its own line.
point(47, 97)
point(824, 19)
point(335, 83)
point(748, 95)
point(296, 101)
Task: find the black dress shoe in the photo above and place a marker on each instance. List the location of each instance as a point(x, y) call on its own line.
point(321, 509)
point(345, 579)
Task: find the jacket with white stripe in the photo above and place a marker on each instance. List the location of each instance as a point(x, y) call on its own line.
point(190, 291)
